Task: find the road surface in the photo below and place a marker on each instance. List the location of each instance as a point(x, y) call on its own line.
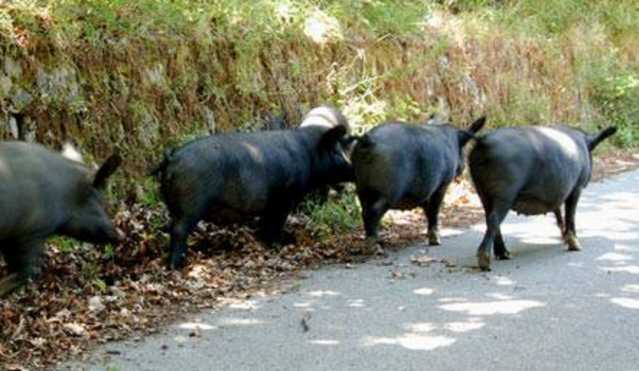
point(546, 309)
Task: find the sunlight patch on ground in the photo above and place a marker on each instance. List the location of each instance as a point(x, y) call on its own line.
point(632, 269)
point(421, 327)
point(240, 322)
point(196, 326)
point(541, 240)
point(613, 256)
point(493, 307)
point(411, 341)
point(622, 197)
point(451, 300)
point(626, 302)
point(499, 296)
point(356, 303)
point(423, 291)
point(245, 305)
point(463, 326)
point(302, 305)
point(627, 248)
point(198, 271)
point(322, 293)
point(504, 281)
point(631, 288)
point(404, 217)
point(449, 232)
point(324, 342)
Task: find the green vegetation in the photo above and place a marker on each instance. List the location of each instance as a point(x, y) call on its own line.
point(65, 245)
point(337, 215)
point(139, 75)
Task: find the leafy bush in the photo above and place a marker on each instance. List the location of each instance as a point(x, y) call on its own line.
point(615, 92)
point(337, 215)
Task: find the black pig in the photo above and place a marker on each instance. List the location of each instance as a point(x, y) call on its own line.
point(236, 177)
point(403, 166)
point(327, 116)
point(531, 170)
point(43, 193)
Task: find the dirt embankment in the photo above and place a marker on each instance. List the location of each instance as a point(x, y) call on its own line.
point(107, 77)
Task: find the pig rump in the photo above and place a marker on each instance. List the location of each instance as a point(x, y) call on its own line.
point(531, 170)
point(403, 166)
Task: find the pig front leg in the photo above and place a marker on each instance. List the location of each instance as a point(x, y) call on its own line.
point(24, 264)
point(431, 209)
point(272, 224)
point(570, 235)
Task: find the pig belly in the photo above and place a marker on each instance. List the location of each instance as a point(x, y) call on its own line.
point(225, 216)
point(533, 206)
point(408, 204)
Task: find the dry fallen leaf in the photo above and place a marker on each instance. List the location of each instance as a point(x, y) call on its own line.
point(75, 329)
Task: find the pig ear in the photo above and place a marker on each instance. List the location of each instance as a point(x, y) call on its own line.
point(106, 170)
point(477, 125)
point(332, 136)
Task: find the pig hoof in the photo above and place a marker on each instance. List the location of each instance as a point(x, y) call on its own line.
point(288, 238)
point(573, 245)
point(433, 238)
point(572, 242)
point(374, 247)
point(502, 255)
point(484, 262)
point(176, 263)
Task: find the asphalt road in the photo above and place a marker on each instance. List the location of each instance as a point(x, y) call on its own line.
point(546, 309)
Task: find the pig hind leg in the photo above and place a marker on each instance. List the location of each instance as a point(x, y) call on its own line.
point(431, 209)
point(180, 229)
point(499, 247)
point(495, 209)
point(560, 221)
point(373, 209)
point(570, 234)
